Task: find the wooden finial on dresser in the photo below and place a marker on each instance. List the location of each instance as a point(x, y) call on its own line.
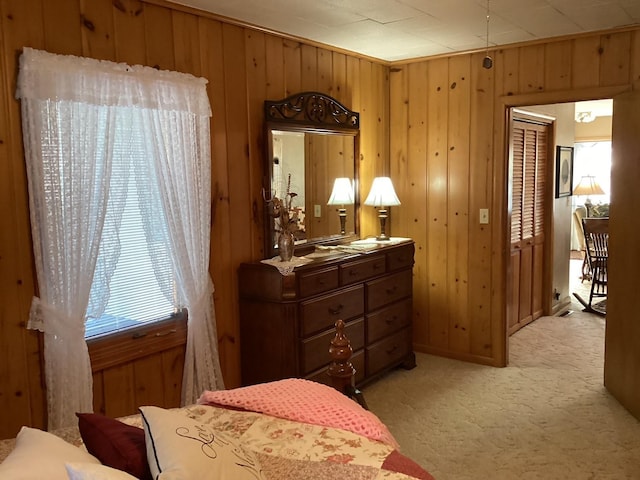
point(341, 370)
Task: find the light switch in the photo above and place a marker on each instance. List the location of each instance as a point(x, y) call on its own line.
point(317, 211)
point(484, 216)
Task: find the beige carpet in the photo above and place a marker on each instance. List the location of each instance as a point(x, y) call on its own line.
point(546, 416)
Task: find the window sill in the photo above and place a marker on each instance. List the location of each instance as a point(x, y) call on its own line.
point(137, 342)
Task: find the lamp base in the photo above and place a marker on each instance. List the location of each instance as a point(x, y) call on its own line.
point(342, 213)
point(382, 215)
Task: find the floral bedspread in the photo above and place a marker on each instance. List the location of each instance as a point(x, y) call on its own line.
point(293, 450)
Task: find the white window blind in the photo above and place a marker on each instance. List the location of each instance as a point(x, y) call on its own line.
point(136, 295)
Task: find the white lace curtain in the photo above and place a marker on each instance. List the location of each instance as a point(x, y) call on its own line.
point(72, 116)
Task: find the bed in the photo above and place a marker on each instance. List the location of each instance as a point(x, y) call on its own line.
point(286, 429)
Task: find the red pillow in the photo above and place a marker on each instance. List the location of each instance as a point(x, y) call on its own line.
point(115, 444)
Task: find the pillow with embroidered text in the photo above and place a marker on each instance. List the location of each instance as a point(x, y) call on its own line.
point(179, 447)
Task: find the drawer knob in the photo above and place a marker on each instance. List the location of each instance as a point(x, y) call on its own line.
point(337, 310)
point(392, 349)
point(377, 266)
point(353, 272)
point(391, 320)
point(392, 290)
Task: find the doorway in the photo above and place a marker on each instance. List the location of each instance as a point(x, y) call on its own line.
point(622, 360)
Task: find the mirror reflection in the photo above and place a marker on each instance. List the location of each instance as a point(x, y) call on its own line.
point(308, 164)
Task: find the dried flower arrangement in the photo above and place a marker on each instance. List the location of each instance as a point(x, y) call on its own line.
point(283, 210)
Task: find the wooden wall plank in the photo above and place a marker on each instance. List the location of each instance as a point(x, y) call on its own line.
point(325, 71)
point(339, 75)
point(459, 93)
point(557, 65)
point(148, 386)
point(173, 365)
point(437, 202)
point(23, 368)
point(61, 31)
point(128, 23)
point(480, 196)
point(158, 31)
point(354, 102)
point(309, 75)
point(531, 73)
point(585, 62)
point(508, 63)
point(415, 108)
point(98, 392)
point(119, 385)
point(97, 30)
point(275, 69)
point(292, 68)
point(635, 59)
point(256, 88)
point(221, 261)
point(186, 48)
point(615, 65)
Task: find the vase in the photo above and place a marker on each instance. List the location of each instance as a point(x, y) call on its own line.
point(286, 243)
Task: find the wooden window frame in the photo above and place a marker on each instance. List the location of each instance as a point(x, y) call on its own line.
point(131, 344)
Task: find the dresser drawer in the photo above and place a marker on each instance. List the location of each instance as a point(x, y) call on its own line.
point(357, 360)
point(323, 312)
point(400, 257)
point(315, 350)
point(358, 270)
point(389, 351)
point(318, 281)
point(388, 320)
point(388, 289)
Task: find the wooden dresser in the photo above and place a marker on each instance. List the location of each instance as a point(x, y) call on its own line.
point(287, 321)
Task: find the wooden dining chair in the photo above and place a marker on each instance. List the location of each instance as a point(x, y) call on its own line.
point(596, 237)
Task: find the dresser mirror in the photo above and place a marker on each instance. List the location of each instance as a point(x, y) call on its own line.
point(312, 140)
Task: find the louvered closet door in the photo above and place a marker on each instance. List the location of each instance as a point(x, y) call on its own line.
point(529, 167)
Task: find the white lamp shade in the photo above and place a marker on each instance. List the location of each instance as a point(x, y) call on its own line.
point(342, 193)
point(382, 193)
point(588, 186)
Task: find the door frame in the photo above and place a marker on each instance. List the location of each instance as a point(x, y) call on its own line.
point(502, 229)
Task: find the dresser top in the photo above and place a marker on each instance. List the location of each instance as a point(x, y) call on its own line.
point(324, 254)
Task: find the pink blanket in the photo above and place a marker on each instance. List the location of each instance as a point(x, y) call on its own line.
point(303, 401)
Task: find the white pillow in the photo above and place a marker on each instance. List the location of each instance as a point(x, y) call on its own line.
point(39, 455)
point(179, 447)
point(91, 471)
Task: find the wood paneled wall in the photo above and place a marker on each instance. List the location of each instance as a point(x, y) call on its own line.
point(244, 67)
point(449, 160)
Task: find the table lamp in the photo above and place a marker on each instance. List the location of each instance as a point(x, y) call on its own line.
point(381, 196)
point(588, 186)
point(342, 194)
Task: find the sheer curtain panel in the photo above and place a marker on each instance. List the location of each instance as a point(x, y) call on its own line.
point(74, 111)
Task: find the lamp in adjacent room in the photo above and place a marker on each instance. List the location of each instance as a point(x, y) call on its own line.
point(342, 194)
point(381, 196)
point(588, 186)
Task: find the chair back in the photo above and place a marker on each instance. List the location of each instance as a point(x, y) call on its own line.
point(596, 236)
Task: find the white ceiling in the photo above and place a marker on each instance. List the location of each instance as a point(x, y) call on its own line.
point(400, 29)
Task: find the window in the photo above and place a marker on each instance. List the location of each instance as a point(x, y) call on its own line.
point(136, 288)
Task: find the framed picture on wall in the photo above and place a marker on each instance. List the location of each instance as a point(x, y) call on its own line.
point(564, 171)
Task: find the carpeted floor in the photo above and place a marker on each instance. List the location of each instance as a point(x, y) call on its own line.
point(545, 416)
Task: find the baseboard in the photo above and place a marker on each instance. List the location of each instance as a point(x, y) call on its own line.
point(560, 306)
